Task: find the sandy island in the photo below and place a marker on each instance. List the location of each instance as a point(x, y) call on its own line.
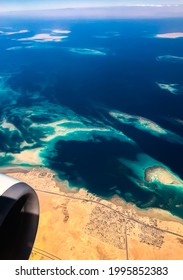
point(138, 122)
point(76, 225)
point(162, 175)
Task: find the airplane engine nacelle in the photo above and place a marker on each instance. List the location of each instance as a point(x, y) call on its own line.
point(19, 216)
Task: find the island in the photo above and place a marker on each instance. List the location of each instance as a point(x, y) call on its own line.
point(162, 175)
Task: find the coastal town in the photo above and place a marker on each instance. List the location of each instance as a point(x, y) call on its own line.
point(75, 224)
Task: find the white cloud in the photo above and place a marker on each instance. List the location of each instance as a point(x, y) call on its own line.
point(14, 48)
point(14, 32)
point(170, 58)
point(170, 35)
point(85, 51)
point(59, 31)
point(44, 37)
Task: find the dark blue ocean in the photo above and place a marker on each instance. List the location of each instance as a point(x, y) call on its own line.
point(99, 67)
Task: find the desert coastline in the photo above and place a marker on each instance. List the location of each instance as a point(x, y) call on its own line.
point(73, 220)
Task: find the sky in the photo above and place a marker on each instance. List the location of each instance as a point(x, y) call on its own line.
point(19, 5)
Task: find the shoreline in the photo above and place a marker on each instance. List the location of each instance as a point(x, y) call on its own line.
point(73, 220)
point(63, 186)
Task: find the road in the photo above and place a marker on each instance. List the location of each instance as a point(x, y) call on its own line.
point(51, 256)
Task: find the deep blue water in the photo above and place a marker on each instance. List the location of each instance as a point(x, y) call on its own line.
point(123, 76)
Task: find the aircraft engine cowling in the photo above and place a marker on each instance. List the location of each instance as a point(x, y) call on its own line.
point(19, 216)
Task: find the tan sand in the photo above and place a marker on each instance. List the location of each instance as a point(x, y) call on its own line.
point(28, 156)
point(78, 225)
point(140, 122)
point(162, 175)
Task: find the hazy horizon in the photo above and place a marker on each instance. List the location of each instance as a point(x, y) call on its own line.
point(36, 5)
point(113, 12)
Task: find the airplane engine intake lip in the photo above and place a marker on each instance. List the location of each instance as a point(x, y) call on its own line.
point(19, 217)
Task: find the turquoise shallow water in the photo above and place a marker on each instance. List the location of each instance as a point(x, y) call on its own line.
point(96, 102)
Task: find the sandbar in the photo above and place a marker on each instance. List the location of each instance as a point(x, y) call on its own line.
point(162, 175)
point(28, 157)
